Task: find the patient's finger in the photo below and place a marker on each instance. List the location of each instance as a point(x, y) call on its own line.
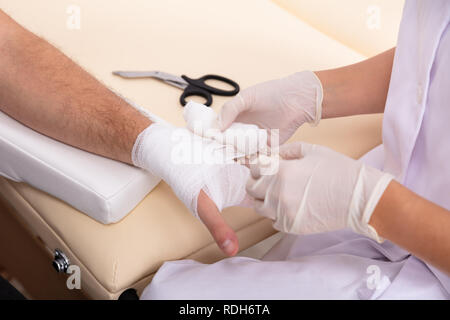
point(223, 235)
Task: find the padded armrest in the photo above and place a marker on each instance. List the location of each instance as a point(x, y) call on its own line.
point(104, 189)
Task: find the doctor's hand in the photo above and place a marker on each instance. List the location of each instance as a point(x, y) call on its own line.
point(283, 104)
point(316, 190)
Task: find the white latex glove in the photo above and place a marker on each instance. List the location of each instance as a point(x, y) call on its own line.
point(246, 139)
point(190, 163)
point(283, 104)
point(317, 190)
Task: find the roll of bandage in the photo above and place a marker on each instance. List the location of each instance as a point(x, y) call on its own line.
point(247, 139)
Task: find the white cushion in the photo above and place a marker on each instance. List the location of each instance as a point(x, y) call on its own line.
point(104, 189)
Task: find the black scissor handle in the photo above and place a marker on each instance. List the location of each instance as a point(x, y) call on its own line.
point(201, 83)
point(195, 91)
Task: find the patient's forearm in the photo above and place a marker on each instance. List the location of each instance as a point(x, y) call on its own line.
point(359, 88)
point(45, 90)
point(414, 223)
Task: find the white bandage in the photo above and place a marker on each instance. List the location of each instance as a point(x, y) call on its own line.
point(190, 163)
point(200, 119)
point(246, 139)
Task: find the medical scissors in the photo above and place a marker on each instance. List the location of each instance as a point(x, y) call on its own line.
point(190, 87)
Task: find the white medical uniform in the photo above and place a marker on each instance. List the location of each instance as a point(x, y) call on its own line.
point(342, 264)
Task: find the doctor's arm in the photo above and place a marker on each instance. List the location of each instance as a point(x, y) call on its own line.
point(46, 91)
point(414, 223)
point(306, 96)
point(317, 190)
point(360, 88)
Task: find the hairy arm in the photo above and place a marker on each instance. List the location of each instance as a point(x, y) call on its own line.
point(46, 91)
point(359, 88)
point(414, 223)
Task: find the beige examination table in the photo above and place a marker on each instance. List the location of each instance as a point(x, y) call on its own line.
point(248, 41)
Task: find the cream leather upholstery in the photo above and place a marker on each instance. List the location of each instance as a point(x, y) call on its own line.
point(248, 41)
point(104, 189)
point(367, 26)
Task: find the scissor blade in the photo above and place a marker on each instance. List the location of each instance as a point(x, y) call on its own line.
point(166, 77)
point(134, 74)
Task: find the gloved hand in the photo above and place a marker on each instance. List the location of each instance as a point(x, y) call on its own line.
point(317, 189)
point(191, 164)
point(283, 104)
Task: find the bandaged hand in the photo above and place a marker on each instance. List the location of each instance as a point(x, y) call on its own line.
point(191, 164)
point(283, 104)
point(316, 190)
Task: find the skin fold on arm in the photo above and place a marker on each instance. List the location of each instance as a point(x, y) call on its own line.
point(46, 91)
point(401, 216)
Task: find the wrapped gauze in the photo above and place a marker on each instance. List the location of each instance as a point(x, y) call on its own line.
point(246, 139)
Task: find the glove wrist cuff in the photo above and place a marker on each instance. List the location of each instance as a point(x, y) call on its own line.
point(319, 100)
point(309, 97)
point(363, 204)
